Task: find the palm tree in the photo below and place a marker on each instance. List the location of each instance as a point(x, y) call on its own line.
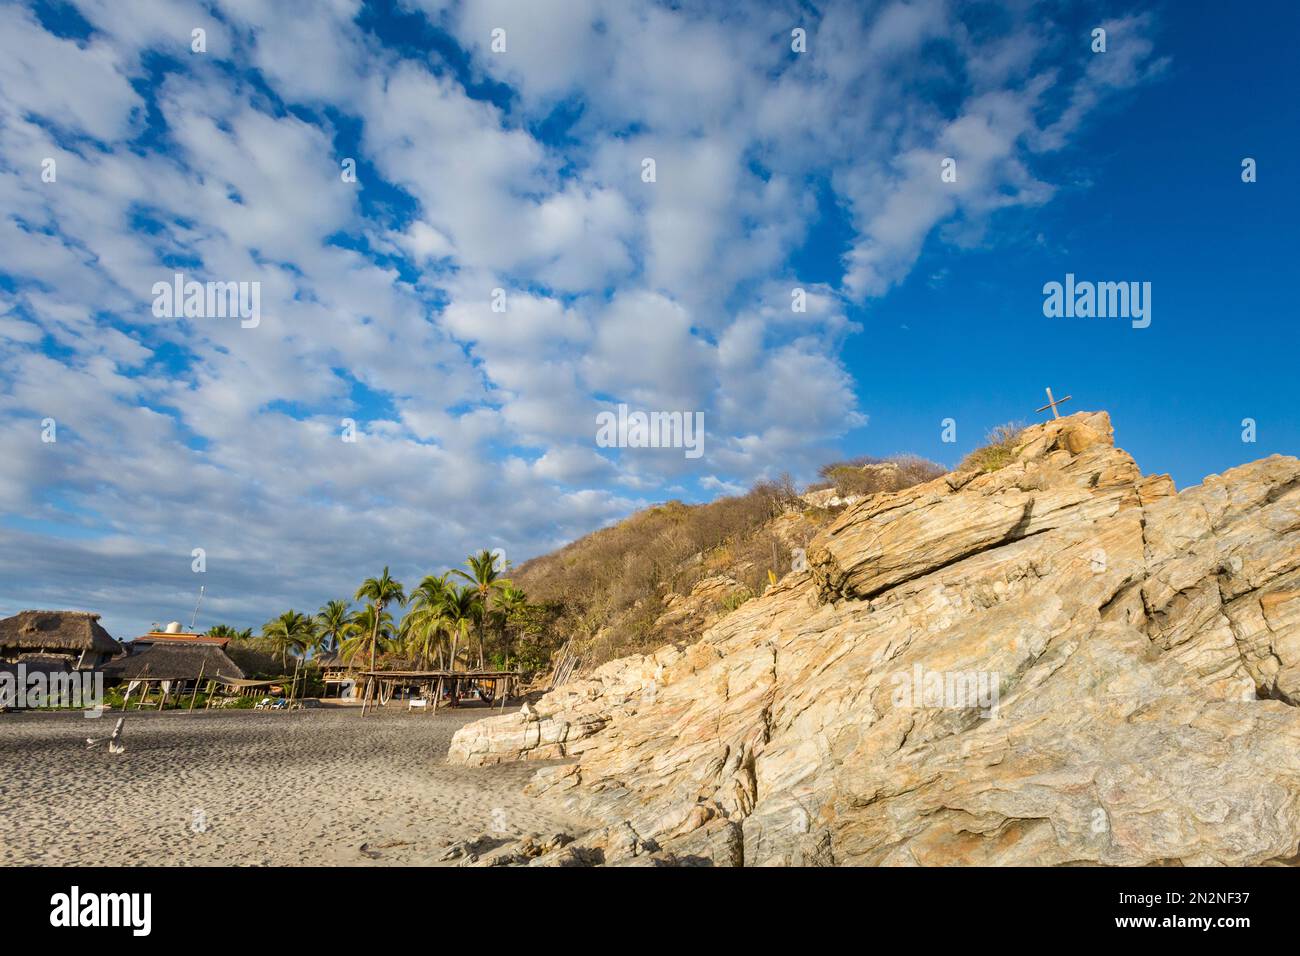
point(425, 622)
point(484, 578)
point(380, 592)
point(364, 634)
point(333, 619)
point(222, 630)
point(290, 631)
point(510, 600)
point(460, 608)
point(309, 638)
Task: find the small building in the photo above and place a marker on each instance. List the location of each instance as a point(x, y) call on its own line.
point(173, 634)
point(341, 679)
point(74, 638)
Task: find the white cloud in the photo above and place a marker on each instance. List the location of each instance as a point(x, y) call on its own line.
point(476, 427)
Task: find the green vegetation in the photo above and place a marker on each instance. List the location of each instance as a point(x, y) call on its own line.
point(333, 620)
point(434, 632)
point(486, 581)
point(291, 631)
point(113, 700)
point(736, 599)
point(380, 592)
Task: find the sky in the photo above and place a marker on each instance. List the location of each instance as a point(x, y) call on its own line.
point(463, 254)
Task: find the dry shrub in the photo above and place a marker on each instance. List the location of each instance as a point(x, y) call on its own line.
point(608, 586)
point(606, 590)
point(854, 477)
point(999, 452)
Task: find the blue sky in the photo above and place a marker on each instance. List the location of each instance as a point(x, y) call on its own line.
point(521, 170)
point(1158, 197)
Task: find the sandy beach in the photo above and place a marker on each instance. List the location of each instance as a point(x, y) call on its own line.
point(245, 788)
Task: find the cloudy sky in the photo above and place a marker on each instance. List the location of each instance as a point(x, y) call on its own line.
point(502, 146)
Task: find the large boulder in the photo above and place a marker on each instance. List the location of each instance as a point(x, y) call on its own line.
point(1060, 661)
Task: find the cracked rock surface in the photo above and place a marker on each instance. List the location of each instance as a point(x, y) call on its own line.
point(1059, 662)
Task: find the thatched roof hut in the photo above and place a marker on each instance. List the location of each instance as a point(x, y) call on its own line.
point(333, 661)
point(69, 634)
point(173, 662)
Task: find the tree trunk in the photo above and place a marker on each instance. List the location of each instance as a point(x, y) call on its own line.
point(455, 686)
point(482, 625)
point(374, 636)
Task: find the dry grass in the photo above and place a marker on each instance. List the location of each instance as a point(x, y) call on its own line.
point(999, 452)
point(855, 477)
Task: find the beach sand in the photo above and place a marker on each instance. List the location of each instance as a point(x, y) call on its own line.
point(253, 788)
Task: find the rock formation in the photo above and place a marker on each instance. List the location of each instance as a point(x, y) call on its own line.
point(1058, 662)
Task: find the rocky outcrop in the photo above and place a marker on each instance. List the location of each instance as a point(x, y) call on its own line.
point(1058, 662)
point(699, 609)
point(881, 475)
point(828, 498)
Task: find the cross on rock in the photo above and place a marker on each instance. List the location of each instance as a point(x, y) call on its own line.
point(1052, 403)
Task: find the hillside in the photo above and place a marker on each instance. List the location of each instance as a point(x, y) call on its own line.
point(670, 571)
point(1052, 659)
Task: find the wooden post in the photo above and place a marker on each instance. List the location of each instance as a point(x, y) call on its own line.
point(144, 690)
point(198, 680)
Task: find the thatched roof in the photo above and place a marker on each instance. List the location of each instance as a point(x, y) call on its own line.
point(69, 631)
point(331, 659)
point(173, 662)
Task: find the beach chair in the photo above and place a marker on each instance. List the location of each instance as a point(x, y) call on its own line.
point(417, 703)
point(263, 704)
